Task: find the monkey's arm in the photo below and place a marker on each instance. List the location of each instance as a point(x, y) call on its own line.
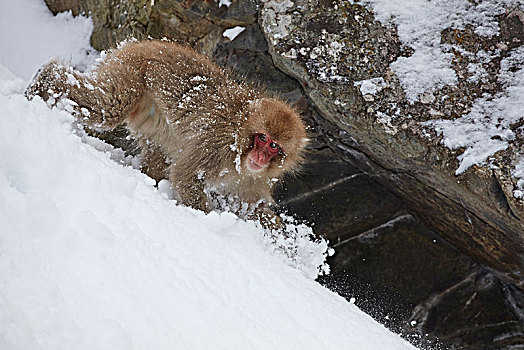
point(191, 193)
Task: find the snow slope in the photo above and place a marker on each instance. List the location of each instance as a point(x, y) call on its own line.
point(30, 36)
point(92, 256)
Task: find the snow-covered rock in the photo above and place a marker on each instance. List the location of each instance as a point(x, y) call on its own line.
point(427, 95)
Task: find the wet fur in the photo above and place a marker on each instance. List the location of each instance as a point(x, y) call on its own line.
point(192, 119)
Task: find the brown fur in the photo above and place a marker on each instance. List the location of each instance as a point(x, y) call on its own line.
point(193, 121)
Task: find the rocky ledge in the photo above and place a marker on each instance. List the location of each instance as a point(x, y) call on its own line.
point(428, 100)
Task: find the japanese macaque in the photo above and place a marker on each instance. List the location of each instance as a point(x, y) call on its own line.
point(198, 127)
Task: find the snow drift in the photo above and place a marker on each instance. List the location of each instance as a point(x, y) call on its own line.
point(93, 256)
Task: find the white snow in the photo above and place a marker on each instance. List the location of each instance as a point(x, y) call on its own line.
point(30, 35)
point(486, 129)
point(370, 86)
point(225, 3)
point(232, 33)
point(275, 20)
point(419, 24)
point(329, 49)
point(93, 256)
point(519, 174)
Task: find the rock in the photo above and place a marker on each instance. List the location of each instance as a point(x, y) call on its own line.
point(334, 47)
point(398, 270)
point(445, 301)
point(113, 22)
point(77, 7)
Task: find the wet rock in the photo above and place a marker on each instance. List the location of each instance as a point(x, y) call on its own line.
point(402, 273)
point(332, 47)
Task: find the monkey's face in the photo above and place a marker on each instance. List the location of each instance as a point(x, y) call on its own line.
point(273, 139)
point(264, 149)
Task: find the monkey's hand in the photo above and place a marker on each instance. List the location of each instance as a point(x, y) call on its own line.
point(268, 219)
point(46, 82)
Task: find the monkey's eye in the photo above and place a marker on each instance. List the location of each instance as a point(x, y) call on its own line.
point(273, 145)
point(262, 137)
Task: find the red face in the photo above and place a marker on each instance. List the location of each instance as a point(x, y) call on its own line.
point(264, 148)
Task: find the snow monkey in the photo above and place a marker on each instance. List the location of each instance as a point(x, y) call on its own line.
point(196, 126)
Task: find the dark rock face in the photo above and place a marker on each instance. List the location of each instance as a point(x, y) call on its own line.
point(473, 211)
point(436, 257)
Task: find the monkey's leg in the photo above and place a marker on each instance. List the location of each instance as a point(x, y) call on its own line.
point(102, 101)
point(154, 161)
point(190, 189)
